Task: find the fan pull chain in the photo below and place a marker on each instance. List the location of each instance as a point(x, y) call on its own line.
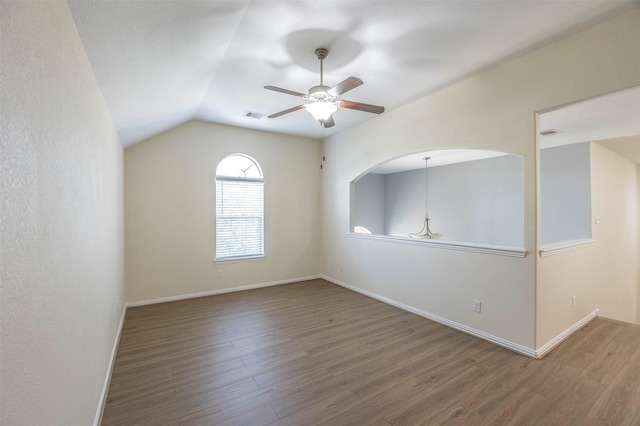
point(322, 147)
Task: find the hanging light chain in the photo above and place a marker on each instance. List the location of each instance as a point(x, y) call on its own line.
point(322, 148)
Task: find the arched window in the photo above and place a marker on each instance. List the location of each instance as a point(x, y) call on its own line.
point(239, 208)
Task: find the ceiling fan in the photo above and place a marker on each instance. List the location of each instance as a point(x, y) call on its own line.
point(324, 99)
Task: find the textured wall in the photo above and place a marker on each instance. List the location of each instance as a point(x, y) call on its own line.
point(62, 229)
point(170, 210)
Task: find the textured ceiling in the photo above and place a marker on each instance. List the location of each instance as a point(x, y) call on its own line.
point(161, 63)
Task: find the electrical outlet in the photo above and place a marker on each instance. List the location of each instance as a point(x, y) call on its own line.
point(573, 301)
point(218, 273)
point(477, 306)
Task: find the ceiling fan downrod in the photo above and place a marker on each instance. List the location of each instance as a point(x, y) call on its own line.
point(320, 92)
point(321, 54)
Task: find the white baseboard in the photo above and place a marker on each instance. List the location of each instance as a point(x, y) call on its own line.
point(523, 350)
point(219, 291)
point(107, 379)
point(546, 348)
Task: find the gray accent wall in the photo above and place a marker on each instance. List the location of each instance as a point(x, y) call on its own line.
point(480, 201)
point(565, 186)
point(369, 203)
point(475, 202)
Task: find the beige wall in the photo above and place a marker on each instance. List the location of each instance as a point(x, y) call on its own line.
point(615, 200)
point(494, 110)
point(603, 276)
point(61, 264)
point(170, 206)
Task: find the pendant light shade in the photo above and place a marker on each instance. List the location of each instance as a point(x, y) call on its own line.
point(321, 110)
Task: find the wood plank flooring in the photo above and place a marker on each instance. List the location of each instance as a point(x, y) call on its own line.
point(315, 353)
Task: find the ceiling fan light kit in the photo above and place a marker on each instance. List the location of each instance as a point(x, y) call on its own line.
point(324, 99)
point(321, 110)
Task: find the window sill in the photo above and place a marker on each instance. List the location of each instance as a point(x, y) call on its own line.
point(448, 245)
point(565, 246)
point(240, 259)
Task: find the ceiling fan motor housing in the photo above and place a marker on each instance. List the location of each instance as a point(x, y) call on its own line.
point(320, 92)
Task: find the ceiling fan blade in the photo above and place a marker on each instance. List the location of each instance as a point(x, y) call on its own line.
point(286, 91)
point(343, 87)
point(375, 109)
point(329, 122)
point(286, 111)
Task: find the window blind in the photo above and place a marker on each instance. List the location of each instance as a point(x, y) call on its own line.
point(239, 218)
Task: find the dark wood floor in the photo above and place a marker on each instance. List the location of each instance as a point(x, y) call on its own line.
point(315, 353)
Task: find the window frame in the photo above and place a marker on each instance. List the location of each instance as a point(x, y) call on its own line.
point(239, 179)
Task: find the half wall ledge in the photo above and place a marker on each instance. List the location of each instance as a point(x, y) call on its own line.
point(565, 246)
point(447, 245)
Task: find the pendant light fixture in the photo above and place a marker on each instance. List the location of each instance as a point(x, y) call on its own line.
point(425, 232)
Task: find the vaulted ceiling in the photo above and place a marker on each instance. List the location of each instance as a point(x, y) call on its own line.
point(161, 63)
